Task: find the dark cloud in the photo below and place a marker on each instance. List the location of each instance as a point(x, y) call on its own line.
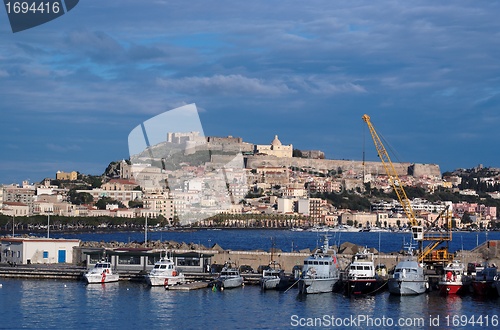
point(427, 72)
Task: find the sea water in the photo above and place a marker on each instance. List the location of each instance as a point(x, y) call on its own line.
point(64, 304)
point(286, 240)
point(59, 304)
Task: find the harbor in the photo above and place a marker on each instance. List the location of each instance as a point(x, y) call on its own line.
point(250, 263)
point(61, 287)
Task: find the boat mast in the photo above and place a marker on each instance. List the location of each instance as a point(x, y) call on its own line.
point(146, 231)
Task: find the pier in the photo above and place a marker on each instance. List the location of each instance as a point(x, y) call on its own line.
point(488, 252)
point(42, 271)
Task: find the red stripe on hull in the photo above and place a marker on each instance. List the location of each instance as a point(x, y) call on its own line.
point(450, 288)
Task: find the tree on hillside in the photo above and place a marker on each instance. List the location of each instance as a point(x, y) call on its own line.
point(296, 153)
point(79, 198)
point(103, 201)
point(466, 219)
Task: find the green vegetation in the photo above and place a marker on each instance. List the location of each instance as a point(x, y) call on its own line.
point(39, 223)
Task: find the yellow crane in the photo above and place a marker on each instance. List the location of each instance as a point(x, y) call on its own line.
point(430, 254)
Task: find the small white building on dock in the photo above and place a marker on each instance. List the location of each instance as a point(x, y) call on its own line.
point(16, 250)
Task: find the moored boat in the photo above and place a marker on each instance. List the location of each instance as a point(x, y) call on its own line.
point(228, 278)
point(408, 279)
point(454, 279)
point(497, 284)
point(102, 272)
point(484, 282)
point(362, 276)
point(273, 277)
point(164, 273)
point(320, 272)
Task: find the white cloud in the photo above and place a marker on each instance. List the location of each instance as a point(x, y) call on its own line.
point(225, 84)
point(62, 148)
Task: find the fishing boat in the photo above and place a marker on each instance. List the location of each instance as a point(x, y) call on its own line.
point(101, 273)
point(228, 278)
point(408, 277)
point(497, 284)
point(320, 272)
point(483, 283)
point(164, 273)
point(363, 278)
point(273, 277)
point(454, 279)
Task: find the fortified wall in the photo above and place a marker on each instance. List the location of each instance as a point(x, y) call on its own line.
point(347, 166)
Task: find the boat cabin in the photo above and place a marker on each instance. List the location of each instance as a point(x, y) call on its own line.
point(229, 273)
point(362, 266)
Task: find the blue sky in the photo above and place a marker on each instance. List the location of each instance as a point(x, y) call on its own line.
point(426, 72)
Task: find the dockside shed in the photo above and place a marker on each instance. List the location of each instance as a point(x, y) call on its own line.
point(16, 250)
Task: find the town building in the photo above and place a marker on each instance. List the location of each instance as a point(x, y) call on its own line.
point(123, 196)
point(276, 148)
point(15, 209)
point(162, 202)
point(66, 176)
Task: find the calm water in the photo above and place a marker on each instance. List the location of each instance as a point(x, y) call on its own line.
point(50, 304)
point(237, 239)
point(58, 304)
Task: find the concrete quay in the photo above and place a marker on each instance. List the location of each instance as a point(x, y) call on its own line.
point(487, 252)
point(42, 271)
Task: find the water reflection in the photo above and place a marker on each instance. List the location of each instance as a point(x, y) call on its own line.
point(75, 305)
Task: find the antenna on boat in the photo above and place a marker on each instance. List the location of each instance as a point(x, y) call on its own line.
point(378, 254)
point(146, 231)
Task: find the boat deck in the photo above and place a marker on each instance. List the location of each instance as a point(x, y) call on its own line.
point(189, 286)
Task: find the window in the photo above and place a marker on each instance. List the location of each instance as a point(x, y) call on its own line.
point(18, 254)
point(181, 261)
point(129, 260)
point(45, 254)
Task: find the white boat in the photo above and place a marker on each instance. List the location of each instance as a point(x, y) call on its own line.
point(229, 278)
point(273, 277)
point(101, 273)
point(345, 228)
point(363, 278)
point(408, 278)
point(320, 272)
point(164, 273)
point(454, 280)
point(320, 229)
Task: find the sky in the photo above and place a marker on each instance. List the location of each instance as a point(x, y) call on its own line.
point(426, 72)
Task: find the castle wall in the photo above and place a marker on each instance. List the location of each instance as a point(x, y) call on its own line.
point(354, 168)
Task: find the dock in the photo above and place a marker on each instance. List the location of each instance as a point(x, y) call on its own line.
point(43, 271)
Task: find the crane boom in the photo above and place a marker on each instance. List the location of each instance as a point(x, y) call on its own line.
point(417, 230)
point(394, 180)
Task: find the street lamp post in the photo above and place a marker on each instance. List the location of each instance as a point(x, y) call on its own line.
point(48, 224)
